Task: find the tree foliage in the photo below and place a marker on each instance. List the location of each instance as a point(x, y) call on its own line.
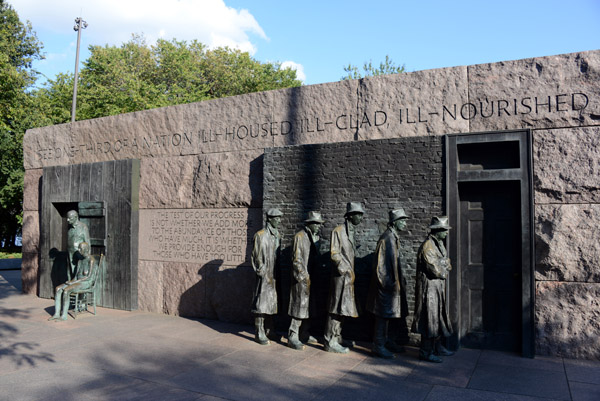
point(18, 48)
point(368, 70)
point(136, 76)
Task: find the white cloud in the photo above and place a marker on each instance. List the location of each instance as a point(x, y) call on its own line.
point(112, 22)
point(295, 66)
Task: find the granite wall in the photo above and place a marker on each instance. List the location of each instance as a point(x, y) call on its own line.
point(202, 163)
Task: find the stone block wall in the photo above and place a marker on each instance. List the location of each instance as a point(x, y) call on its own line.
point(382, 175)
point(204, 160)
point(209, 285)
point(31, 231)
point(567, 241)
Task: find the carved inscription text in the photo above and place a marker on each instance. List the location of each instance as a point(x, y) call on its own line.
point(198, 235)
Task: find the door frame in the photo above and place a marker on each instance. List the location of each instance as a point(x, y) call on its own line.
point(522, 174)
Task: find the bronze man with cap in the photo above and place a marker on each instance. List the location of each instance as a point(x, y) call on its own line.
point(264, 258)
point(387, 285)
point(342, 302)
point(431, 317)
point(304, 259)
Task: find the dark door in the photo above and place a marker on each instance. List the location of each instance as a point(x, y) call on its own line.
point(106, 196)
point(490, 247)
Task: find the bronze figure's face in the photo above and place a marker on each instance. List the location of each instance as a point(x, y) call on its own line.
point(275, 221)
point(72, 217)
point(314, 228)
point(355, 218)
point(441, 234)
point(84, 249)
point(400, 224)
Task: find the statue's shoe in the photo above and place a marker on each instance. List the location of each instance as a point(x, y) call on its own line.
point(295, 344)
point(430, 358)
point(443, 351)
point(392, 346)
point(336, 348)
point(310, 340)
point(262, 340)
point(273, 336)
point(382, 352)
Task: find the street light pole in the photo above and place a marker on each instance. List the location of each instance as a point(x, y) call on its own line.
point(79, 25)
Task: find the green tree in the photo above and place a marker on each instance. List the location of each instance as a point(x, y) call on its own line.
point(19, 46)
point(385, 67)
point(135, 76)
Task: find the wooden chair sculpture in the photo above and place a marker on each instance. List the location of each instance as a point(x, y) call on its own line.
point(88, 295)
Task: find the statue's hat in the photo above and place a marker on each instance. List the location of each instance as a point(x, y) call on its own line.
point(439, 223)
point(273, 212)
point(354, 207)
point(397, 214)
point(314, 217)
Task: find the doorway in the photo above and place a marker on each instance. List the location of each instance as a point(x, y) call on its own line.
point(490, 255)
point(489, 205)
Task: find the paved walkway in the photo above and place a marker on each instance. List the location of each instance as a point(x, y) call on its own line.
point(119, 355)
point(10, 264)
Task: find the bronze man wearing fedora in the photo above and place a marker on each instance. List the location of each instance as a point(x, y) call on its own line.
point(387, 286)
point(264, 258)
point(304, 259)
point(342, 302)
point(431, 317)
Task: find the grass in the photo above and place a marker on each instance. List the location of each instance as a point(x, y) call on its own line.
point(11, 253)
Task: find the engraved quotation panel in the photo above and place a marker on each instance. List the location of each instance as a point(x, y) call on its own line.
point(198, 235)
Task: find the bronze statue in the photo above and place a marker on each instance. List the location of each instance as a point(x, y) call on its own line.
point(78, 232)
point(342, 302)
point(387, 285)
point(264, 259)
point(87, 269)
point(305, 255)
point(431, 316)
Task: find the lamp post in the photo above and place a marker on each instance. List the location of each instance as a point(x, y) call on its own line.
point(79, 25)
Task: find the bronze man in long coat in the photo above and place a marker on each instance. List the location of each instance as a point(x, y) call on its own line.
point(78, 232)
point(264, 259)
point(305, 256)
point(342, 302)
point(431, 317)
point(387, 294)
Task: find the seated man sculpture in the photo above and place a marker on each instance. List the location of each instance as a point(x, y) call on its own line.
point(87, 269)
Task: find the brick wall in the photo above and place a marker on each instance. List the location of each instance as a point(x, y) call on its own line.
point(382, 174)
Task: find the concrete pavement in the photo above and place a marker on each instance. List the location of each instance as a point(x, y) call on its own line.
point(10, 264)
point(120, 355)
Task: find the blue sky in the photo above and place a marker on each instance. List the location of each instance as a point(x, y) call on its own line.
point(321, 37)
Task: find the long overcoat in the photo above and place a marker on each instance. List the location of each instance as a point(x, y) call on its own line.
point(341, 297)
point(431, 317)
point(264, 259)
point(387, 287)
point(304, 259)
